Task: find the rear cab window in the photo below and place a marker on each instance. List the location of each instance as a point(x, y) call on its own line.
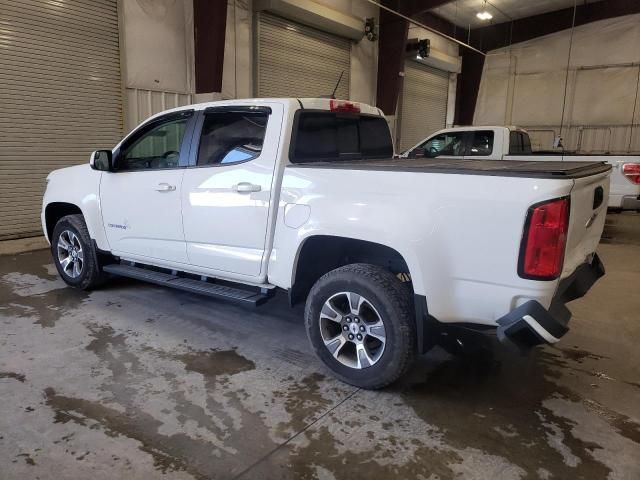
point(519, 143)
point(325, 136)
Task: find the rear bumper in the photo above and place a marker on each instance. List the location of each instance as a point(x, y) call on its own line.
point(630, 202)
point(531, 324)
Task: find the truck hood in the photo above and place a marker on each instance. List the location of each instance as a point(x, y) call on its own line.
point(68, 171)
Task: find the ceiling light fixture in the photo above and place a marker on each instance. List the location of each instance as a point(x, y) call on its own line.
point(484, 15)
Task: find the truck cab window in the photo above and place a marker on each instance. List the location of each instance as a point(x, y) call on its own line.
point(519, 143)
point(450, 143)
point(329, 136)
point(156, 147)
point(481, 143)
point(231, 137)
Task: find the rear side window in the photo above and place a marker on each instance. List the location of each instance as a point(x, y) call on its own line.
point(231, 137)
point(481, 143)
point(519, 143)
point(329, 136)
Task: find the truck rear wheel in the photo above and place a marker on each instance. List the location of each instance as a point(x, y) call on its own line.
point(74, 253)
point(360, 322)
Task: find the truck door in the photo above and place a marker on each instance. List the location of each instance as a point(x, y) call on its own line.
point(227, 192)
point(140, 200)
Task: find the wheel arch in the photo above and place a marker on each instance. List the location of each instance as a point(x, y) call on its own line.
point(54, 211)
point(319, 254)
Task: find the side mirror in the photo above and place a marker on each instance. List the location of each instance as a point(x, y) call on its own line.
point(101, 160)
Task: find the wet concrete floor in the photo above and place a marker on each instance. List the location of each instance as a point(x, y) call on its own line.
point(135, 381)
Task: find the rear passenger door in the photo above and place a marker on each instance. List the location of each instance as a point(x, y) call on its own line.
point(226, 191)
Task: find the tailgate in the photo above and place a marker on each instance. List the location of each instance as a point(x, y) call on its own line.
point(589, 198)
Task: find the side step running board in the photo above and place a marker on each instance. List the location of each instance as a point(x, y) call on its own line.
point(201, 287)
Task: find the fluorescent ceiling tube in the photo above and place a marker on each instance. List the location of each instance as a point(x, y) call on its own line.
point(484, 15)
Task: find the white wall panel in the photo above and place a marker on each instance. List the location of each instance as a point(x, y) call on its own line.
point(158, 36)
point(601, 86)
point(537, 98)
point(601, 96)
point(141, 104)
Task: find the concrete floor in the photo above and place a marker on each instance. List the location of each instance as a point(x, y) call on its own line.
point(134, 381)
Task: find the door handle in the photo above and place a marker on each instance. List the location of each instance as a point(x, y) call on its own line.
point(165, 187)
point(246, 187)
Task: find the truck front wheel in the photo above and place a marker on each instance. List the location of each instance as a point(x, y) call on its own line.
point(74, 253)
point(360, 322)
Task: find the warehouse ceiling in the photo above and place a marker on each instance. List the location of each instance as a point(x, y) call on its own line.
point(463, 12)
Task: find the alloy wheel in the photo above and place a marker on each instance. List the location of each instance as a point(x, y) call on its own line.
point(70, 254)
point(352, 330)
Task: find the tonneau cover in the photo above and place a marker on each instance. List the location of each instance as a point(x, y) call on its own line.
point(503, 168)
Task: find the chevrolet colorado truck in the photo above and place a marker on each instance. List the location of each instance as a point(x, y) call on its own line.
point(513, 143)
point(237, 199)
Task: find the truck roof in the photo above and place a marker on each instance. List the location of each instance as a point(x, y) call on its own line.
point(291, 102)
point(483, 127)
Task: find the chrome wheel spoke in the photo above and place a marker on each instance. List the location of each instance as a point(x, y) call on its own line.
point(64, 263)
point(377, 331)
point(355, 302)
point(330, 312)
point(76, 268)
point(363, 357)
point(335, 345)
point(63, 242)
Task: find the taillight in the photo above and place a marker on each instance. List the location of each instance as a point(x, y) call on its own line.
point(632, 172)
point(544, 240)
point(343, 106)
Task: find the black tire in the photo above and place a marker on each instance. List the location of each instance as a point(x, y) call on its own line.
point(393, 303)
point(91, 274)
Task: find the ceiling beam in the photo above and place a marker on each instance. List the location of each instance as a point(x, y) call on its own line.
point(416, 7)
point(392, 44)
point(209, 24)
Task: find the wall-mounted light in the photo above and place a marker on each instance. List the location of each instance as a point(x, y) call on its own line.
point(484, 15)
point(370, 29)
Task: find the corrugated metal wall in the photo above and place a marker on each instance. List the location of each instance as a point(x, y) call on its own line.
point(294, 60)
point(424, 103)
point(61, 97)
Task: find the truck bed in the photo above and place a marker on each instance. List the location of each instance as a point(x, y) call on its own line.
point(502, 168)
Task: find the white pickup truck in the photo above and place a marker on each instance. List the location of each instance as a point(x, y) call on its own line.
point(513, 143)
point(239, 198)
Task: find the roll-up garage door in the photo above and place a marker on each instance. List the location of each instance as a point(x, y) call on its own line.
point(299, 61)
point(424, 103)
point(60, 97)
